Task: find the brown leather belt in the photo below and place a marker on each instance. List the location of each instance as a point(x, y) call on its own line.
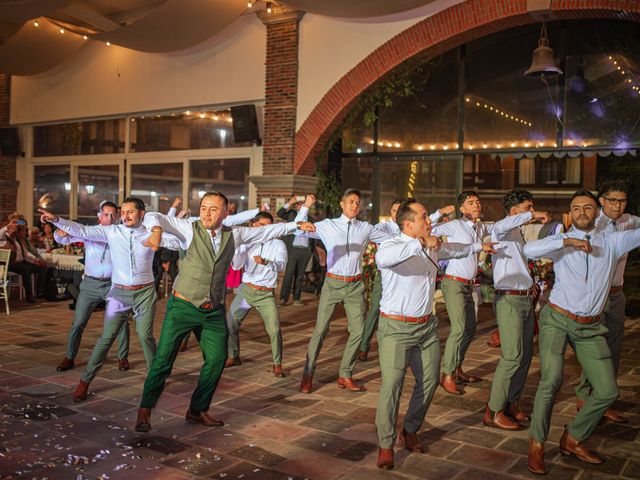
point(205, 305)
point(573, 316)
point(460, 279)
point(132, 287)
point(97, 279)
point(518, 293)
point(344, 279)
point(258, 287)
point(615, 289)
point(406, 319)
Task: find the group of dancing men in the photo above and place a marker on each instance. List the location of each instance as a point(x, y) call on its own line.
point(585, 308)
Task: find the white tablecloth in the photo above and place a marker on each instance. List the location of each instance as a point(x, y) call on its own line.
point(63, 261)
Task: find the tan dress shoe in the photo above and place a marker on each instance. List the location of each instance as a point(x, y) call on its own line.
point(514, 411)
point(306, 383)
point(203, 419)
point(465, 377)
point(66, 364)
point(278, 371)
point(385, 458)
point(612, 415)
point(571, 445)
point(411, 441)
point(535, 462)
point(348, 384)
point(500, 420)
point(143, 423)
point(448, 382)
point(81, 392)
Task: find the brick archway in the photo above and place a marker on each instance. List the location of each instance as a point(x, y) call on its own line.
point(431, 37)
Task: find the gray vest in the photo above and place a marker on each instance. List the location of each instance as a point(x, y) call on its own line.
point(202, 273)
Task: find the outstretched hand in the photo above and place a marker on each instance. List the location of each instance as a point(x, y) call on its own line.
point(448, 210)
point(47, 217)
point(306, 227)
point(542, 217)
point(309, 201)
point(489, 247)
point(431, 242)
point(154, 239)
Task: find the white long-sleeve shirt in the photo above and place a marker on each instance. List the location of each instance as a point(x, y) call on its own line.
point(624, 223)
point(583, 279)
point(97, 257)
point(229, 221)
point(274, 251)
point(510, 269)
point(409, 273)
point(464, 231)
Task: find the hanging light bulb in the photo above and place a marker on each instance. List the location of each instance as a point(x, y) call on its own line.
point(36, 24)
point(250, 4)
point(269, 5)
point(543, 64)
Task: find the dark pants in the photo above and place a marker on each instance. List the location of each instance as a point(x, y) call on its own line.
point(25, 269)
point(296, 266)
point(164, 255)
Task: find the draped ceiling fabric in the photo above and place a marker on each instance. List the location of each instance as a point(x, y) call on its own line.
point(176, 25)
point(34, 50)
point(355, 8)
point(19, 11)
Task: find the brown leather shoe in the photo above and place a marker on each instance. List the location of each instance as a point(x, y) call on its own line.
point(143, 423)
point(411, 441)
point(513, 410)
point(184, 345)
point(385, 458)
point(348, 384)
point(466, 378)
point(613, 416)
point(81, 392)
point(203, 419)
point(570, 445)
point(448, 382)
point(66, 364)
point(500, 420)
point(536, 457)
point(306, 384)
point(232, 362)
point(363, 356)
point(123, 364)
point(494, 339)
point(278, 371)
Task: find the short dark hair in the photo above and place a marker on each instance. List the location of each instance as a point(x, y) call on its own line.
point(351, 191)
point(466, 194)
point(260, 215)
point(405, 212)
point(215, 193)
point(613, 186)
point(108, 203)
point(585, 193)
point(515, 197)
point(398, 201)
point(136, 201)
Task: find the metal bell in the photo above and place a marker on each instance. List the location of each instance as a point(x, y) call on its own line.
point(543, 64)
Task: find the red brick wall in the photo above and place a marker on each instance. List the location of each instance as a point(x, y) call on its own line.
point(429, 38)
point(8, 183)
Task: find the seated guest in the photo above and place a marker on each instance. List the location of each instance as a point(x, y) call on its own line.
point(34, 238)
point(47, 239)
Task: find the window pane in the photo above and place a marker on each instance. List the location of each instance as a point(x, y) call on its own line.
point(228, 176)
point(51, 189)
point(358, 173)
point(157, 185)
point(357, 136)
point(96, 184)
point(183, 131)
point(80, 138)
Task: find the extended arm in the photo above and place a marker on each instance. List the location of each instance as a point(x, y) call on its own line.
point(240, 218)
point(458, 250)
point(180, 228)
point(390, 253)
point(624, 242)
point(66, 239)
point(83, 232)
point(548, 247)
point(504, 226)
point(250, 235)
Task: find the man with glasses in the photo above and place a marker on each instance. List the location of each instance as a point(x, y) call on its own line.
point(612, 218)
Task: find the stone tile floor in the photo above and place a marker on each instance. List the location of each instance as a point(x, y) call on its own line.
point(272, 431)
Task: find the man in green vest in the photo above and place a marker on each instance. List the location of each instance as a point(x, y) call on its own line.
point(197, 303)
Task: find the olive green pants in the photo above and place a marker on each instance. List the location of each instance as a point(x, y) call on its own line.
point(373, 312)
point(402, 345)
point(613, 319)
point(265, 303)
point(589, 343)
point(352, 296)
point(462, 316)
point(515, 322)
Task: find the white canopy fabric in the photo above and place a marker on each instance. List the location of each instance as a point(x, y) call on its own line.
point(355, 8)
point(19, 11)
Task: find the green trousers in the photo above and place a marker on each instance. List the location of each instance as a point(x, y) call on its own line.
point(402, 345)
point(265, 303)
point(180, 319)
point(515, 322)
point(92, 292)
point(352, 296)
point(371, 320)
point(462, 315)
point(594, 356)
point(613, 319)
point(120, 303)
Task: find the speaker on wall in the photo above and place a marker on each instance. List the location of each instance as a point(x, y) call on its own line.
point(10, 142)
point(245, 124)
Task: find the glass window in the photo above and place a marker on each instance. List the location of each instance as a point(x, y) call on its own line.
point(357, 136)
point(51, 190)
point(80, 138)
point(96, 183)
point(157, 184)
point(358, 173)
point(229, 176)
point(188, 130)
point(550, 171)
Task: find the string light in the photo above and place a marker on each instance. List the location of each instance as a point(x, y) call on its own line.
point(85, 37)
point(62, 30)
point(108, 44)
point(36, 24)
point(250, 5)
point(502, 113)
point(269, 9)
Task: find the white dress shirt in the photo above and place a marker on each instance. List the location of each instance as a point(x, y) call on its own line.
point(409, 273)
point(345, 241)
point(624, 223)
point(464, 231)
point(229, 221)
point(274, 251)
point(389, 228)
point(510, 269)
point(97, 258)
point(583, 279)
point(132, 262)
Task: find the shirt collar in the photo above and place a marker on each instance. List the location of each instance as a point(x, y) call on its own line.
point(344, 219)
point(582, 234)
point(406, 238)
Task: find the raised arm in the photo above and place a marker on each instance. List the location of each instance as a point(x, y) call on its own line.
point(392, 253)
point(63, 238)
point(378, 234)
point(445, 229)
point(83, 232)
point(624, 242)
point(458, 250)
point(250, 235)
point(502, 227)
point(180, 228)
point(240, 218)
point(549, 247)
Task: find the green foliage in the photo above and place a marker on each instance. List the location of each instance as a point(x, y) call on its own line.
point(328, 193)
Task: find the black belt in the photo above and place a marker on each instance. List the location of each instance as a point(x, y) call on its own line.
point(98, 279)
